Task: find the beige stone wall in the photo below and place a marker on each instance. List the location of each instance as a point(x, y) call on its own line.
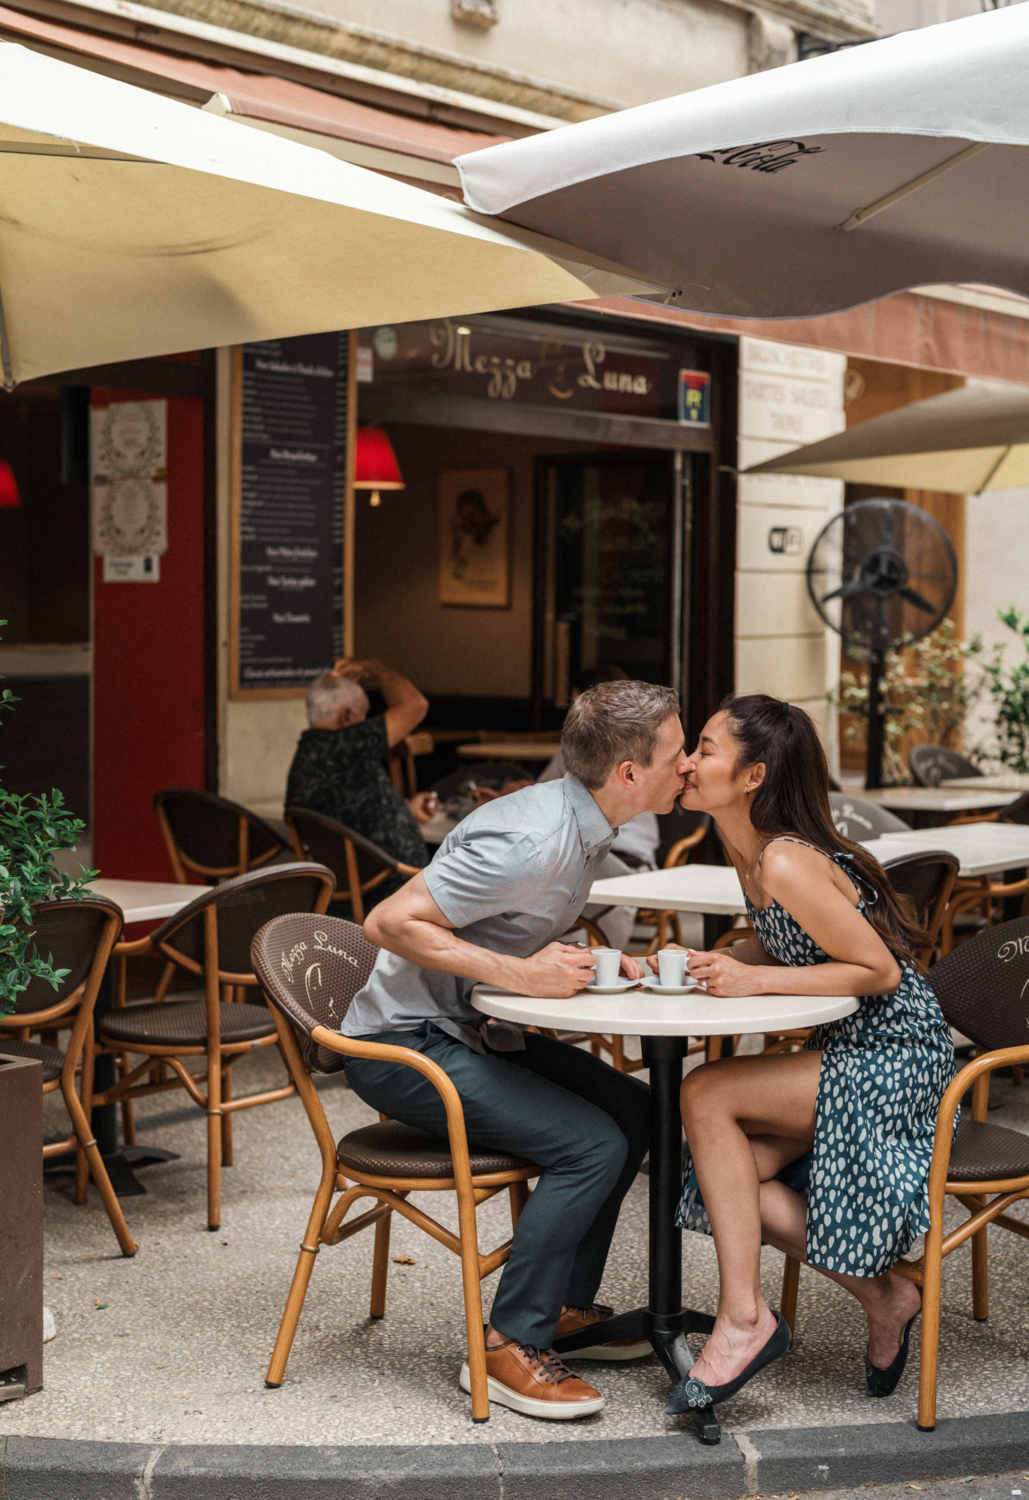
point(788, 396)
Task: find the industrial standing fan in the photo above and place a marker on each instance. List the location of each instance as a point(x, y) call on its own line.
point(882, 574)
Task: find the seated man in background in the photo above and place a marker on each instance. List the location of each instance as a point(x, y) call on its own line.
point(636, 842)
point(339, 766)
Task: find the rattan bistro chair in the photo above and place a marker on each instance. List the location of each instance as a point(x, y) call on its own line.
point(983, 990)
point(76, 935)
point(927, 879)
point(212, 837)
point(931, 764)
point(211, 936)
point(311, 969)
point(358, 864)
point(860, 820)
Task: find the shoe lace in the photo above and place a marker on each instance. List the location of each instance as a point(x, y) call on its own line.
point(548, 1362)
point(596, 1313)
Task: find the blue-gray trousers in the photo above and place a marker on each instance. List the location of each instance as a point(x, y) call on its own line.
point(580, 1120)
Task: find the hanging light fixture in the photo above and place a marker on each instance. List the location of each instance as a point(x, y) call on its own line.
point(375, 464)
point(10, 495)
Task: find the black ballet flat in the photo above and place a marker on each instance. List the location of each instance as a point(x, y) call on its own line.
point(691, 1394)
point(885, 1382)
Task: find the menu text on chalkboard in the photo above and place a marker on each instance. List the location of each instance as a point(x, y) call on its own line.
point(288, 601)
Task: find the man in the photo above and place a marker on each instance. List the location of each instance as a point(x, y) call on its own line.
point(338, 768)
point(506, 883)
point(636, 842)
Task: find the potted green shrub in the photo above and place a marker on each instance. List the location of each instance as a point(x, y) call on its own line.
point(32, 829)
point(1008, 688)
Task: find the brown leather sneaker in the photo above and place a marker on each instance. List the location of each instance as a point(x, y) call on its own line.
point(535, 1382)
point(577, 1318)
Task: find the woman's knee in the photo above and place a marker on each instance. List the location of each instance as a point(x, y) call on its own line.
point(703, 1092)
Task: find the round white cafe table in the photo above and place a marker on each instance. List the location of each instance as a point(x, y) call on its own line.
point(664, 1022)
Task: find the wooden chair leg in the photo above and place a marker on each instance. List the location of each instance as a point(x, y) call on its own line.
point(80, 1120)
point(472, 1287)
point(291, 1315)
point(128, 1111)
point(617, 1053)
point(214, 1141)
point(518, 1193)
point(227, 1118)
point(380, 1267)
point(980, 1271)
point(932, 1278)
point(86, 1100)
point(714, 1048)
point(790, 1286)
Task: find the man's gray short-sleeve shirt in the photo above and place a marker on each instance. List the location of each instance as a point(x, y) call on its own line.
point(512, 877)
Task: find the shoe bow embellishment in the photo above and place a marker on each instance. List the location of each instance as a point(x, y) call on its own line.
point(696, 1392)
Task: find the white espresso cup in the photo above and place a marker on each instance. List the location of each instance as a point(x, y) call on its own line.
point(606, 963)
point(672, 967)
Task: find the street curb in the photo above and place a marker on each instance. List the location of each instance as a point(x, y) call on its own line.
point(664, 1468)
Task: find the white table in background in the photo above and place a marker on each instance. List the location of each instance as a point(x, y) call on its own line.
point(998, 781)
point(981, 848)
point(147, 900)
point(665, 1022)
point(437, 828)
point(922, 801)
point(712, 890)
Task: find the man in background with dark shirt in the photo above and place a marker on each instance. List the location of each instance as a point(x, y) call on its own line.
point(339, 766)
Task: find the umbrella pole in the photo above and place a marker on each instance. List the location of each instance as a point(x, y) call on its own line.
point(5, 351)
point(876, 721)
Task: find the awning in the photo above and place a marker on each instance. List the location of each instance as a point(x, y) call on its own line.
point(256, 96)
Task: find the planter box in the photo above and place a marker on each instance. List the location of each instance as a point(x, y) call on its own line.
point(21, 1226)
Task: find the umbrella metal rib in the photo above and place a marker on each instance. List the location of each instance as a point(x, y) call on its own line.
point(862, 215)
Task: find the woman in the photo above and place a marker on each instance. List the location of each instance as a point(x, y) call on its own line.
point(854, 1114)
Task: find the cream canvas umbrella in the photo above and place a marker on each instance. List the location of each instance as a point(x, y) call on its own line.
point(804, 189)
point(132, 225)
point(967, 441)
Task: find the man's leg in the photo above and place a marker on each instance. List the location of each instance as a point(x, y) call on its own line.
point(627, 1101)
point(540, 1110)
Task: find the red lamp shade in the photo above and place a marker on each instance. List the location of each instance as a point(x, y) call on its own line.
point(375, 463)
point(10, 495)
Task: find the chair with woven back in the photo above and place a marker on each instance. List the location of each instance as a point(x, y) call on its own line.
point(985, 895)
point(983, 990)
point(214, 838)
point(692, 829)
point(858, 819)
point(358, 865)
point(210, 938)
point(311, 969)
point(931, 764)
point(77, 935)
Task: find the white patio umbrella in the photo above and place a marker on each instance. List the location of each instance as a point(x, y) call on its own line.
point(967, 441)
point(132, 225)
point(805, 189)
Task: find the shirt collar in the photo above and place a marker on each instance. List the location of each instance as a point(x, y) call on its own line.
point(594, 829)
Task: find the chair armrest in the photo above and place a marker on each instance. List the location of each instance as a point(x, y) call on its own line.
point(127, 950)
point(408, 870)
point(408, 1058)
point(989, 1062)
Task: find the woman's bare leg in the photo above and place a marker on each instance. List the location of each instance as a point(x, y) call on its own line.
point(888, 1300)
point(723, 1105)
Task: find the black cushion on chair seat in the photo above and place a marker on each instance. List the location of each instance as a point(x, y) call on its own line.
point(988, 1153)
point(52, 1060)
point(390, 1149)
point(183, 1023)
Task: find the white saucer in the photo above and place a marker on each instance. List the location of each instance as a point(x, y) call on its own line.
point(613, 989)
point(657, 988)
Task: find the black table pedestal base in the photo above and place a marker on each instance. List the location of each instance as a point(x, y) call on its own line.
point(667, 1334)
point(120, 1166)
point(665, 1322)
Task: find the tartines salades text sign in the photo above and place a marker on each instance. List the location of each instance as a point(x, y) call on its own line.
point(289, 499)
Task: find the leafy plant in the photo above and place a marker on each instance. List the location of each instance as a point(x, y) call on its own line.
point(1009, 689)
point(32, 829)
point(929, 691)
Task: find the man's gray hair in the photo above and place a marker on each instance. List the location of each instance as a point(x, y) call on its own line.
point(327, 694)
point(614, 722)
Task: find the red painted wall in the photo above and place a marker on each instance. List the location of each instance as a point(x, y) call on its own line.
point(148, 668)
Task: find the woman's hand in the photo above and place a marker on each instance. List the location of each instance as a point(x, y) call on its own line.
point(724, 975)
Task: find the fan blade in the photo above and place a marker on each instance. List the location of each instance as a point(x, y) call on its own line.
point(917, 600)
point(886, 525)
point(845, 590)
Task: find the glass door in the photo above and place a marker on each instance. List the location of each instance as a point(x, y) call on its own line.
point(609, 571)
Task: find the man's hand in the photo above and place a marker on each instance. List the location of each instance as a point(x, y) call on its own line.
point(358, 669)
point(631, 967)
point(482, 794)
point(557, 971)
point(424, 805)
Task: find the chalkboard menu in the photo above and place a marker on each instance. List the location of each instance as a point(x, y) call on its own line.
point(289, 505)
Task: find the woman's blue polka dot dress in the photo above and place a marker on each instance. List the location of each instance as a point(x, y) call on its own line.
point(884, 1073)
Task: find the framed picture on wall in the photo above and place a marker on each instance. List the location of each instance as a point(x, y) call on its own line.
point(474, 537)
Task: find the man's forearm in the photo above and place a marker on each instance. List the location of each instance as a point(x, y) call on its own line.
point(397, 690)
point(430, 946)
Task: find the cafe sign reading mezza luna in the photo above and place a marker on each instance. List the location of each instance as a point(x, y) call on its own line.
point(542, 364)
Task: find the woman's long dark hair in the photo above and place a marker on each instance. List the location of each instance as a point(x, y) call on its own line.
point(794, 798)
